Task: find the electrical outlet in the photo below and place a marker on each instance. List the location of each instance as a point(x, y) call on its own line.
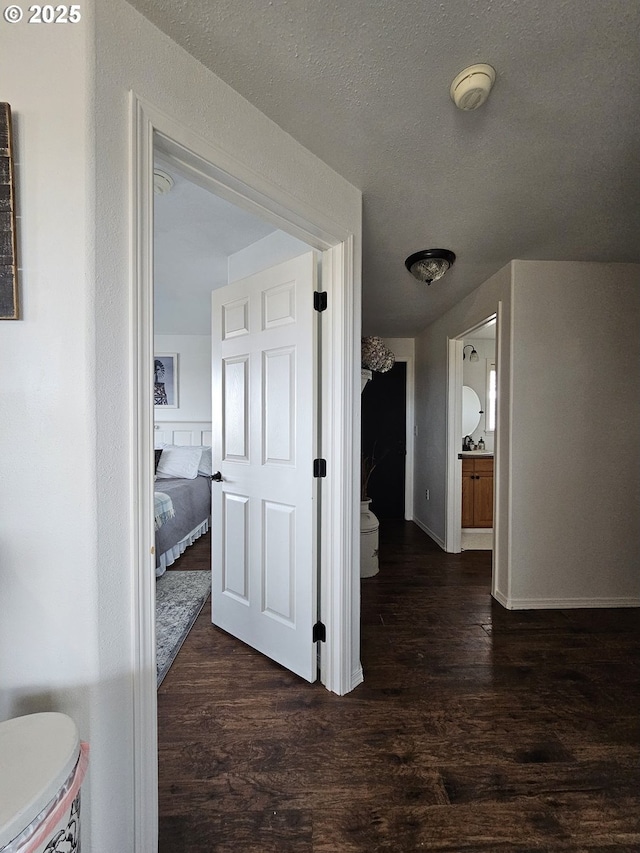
point(426, 494)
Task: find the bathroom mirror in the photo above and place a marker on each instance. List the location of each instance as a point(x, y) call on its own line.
point(471, 410)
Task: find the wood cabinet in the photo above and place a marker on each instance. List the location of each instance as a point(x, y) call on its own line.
point(477, 492)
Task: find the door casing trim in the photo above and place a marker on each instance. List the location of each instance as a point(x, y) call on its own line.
point(341, 346)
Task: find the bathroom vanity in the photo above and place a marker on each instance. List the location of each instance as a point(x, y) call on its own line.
point(477, 489)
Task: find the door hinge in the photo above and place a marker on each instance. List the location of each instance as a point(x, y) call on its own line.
point(320, 300)
point(319, 634)
point(319, 467)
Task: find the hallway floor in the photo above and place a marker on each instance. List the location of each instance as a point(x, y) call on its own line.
point(476, 729)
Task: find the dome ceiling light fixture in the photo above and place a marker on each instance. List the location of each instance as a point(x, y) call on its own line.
point(471, 87)
point(429, 264)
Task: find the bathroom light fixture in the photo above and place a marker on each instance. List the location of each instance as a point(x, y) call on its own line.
point(473, 355)
point(429, 264)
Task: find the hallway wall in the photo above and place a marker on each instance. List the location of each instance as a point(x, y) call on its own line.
point(567, 489)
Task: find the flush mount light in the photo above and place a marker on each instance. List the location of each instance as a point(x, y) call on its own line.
point(429, 264)
point(162, 182)
point(473, 355)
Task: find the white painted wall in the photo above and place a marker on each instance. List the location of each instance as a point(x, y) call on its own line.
point(275, 248)
point(194, 377)
point(568, 502)
point(474, 374)
point(49, 651)
point(67, 568)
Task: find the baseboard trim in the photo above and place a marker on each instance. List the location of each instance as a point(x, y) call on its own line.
point(501, 599)
point(429, 533)
point(563, 603)
point(357, 677)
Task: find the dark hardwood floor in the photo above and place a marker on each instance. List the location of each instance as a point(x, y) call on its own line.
point(476, 729)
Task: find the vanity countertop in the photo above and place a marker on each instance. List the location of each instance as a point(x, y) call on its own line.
point(473, 454)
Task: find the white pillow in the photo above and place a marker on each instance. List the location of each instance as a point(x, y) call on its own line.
point(205, 467)
point(179, 461)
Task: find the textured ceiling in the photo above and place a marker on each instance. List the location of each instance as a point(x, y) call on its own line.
point(549, 168)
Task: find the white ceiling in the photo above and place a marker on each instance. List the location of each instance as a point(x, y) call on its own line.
point(484, 333)
point(194, 234)
point(549, 168)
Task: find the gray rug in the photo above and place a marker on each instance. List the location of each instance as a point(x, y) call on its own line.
point(180, 596)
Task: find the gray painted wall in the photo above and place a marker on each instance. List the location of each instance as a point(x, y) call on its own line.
point(575, 432)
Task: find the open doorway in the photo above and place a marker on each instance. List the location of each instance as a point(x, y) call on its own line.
point(384, 440)
point(202, 243)
point(478, 429)
point(471, 438)
point(237, 182)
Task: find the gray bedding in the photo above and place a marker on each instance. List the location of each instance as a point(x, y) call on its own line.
point(192, 504)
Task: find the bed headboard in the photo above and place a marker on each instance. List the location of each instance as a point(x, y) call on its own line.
point(182, 432)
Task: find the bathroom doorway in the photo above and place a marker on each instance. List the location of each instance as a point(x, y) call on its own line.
point(478, 386)
point(477, 347)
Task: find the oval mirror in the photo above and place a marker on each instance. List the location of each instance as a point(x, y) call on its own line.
point(471, 410)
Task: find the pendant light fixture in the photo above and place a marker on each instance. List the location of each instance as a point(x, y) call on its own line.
point(429, 264)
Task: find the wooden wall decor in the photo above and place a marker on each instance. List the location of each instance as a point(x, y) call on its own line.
point(9, 308)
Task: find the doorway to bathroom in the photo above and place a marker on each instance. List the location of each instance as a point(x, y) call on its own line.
point(472, 376)
point(478, 429)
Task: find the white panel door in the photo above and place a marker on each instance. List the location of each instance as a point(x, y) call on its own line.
point(264, 441)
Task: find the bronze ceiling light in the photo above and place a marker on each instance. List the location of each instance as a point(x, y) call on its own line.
point(430, 264)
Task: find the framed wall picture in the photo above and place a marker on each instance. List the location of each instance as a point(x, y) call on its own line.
point(9, 309)
point(165, 380)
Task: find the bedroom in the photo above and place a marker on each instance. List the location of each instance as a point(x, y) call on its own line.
point(201, 243)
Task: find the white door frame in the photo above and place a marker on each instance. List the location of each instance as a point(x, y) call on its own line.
point(339, 541)
point(453, 525)
point(410, 420)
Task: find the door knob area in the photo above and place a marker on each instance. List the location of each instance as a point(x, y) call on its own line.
point(217, 477)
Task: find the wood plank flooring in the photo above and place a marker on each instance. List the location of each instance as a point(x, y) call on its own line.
point(476, 729)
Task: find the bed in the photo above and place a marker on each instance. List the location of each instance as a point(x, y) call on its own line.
point(183, 500)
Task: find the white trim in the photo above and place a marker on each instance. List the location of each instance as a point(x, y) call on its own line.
point(196, 433)
point(357, 677)
point(411, 438)
point(145, 719)
point(453, 508)
point(490, 367)
point(430, 533)
point(500, 597)
point(501, 461)
point(564, 603)
point(340, 559)
point(340, 543)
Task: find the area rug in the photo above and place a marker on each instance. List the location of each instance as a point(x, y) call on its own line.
point(180, 596)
